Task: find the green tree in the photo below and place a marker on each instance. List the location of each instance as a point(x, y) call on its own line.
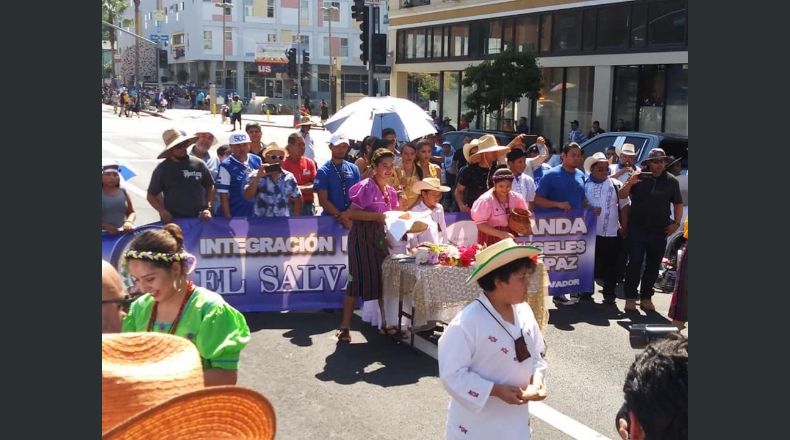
point(427, 86)
point(111, 10)
point(508, 77)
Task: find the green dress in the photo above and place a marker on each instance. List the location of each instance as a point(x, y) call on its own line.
point(218, 330)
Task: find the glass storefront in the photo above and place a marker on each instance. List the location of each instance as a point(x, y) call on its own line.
point(548, 107)
point(451, 83)
point(578, 98)
point(651, 98)
point(677, 108)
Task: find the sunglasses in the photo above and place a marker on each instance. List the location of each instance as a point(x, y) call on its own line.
point(123, 303)
point(272, 157)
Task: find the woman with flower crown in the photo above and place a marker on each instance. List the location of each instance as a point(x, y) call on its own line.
point(172, 304)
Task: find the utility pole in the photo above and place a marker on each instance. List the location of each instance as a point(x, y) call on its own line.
point(334, 96)
point(225, 8)
point(299, 58)
point(371, 30)
point(138, 31)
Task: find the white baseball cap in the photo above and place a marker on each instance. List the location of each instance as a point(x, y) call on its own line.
point(238, 138)
point(339, 138)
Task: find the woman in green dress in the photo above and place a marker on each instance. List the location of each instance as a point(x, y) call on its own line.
point(171, 304)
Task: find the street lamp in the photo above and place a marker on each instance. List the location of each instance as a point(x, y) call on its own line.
point(333, 92)
point(225, 8)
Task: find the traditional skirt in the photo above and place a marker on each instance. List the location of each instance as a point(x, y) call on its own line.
point(679, 306)
point(367, 248)
point(483, 238)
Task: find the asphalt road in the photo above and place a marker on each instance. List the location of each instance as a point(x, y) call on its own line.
point(376, 388)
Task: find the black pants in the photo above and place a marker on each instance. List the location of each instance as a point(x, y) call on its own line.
point(647, 247)
point(607, 251)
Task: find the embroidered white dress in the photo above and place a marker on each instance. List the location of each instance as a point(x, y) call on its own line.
point(475, 353)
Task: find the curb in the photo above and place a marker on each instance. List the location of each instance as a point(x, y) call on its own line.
point(157, 114)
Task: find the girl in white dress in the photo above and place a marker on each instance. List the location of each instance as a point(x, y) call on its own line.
point(491, 354)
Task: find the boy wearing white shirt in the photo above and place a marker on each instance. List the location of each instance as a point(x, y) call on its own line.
point(601, 192)
point(491, 354)
point(523, 183)
point(431, 192)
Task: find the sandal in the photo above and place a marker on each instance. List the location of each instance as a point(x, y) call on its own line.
point(343, 335)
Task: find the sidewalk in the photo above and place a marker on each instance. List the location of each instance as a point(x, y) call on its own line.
point(282, 121)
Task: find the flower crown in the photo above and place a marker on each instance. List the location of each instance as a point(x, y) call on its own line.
point(156, 256)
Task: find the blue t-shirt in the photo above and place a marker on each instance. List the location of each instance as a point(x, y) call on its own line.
point(561, 186)
point(336, 180)
point(232, 179)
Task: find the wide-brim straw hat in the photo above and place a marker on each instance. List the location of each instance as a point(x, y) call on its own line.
point(221, 412)
point(468, 148)
point(597, 157)
point(205, 130)
point(429, 183)
point(497, 255)
point(142, 370)
point(488, 144)
point(629, 149)
point(273, 147)
point(173, 137)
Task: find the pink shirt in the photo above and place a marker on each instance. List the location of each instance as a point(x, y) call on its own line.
point(487, 208)
point(365, 195)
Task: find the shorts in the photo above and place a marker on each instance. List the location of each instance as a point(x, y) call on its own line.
point(235, 117)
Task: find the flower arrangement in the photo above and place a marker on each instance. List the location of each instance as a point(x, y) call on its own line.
point(446, 254)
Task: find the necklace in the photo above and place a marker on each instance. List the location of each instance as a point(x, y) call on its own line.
point(506, 207)
point(342, 176)
point(187, 295)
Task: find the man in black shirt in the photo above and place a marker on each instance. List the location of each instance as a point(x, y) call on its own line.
point(649, 224)
point(475, 179)
point(185, 181)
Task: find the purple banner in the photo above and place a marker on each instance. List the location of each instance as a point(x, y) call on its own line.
point(567, 241)
point(299, 263)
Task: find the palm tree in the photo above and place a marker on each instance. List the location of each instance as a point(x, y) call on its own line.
point(111, 10)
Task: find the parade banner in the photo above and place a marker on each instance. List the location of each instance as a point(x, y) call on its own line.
point(567, 243)
point(299, 263)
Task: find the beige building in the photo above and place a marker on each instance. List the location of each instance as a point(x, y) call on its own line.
point(623, 63)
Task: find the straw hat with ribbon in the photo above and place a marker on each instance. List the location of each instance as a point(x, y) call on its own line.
point(153, 387)
point(172, 138)
point(597, 157)
point(273, 147)
point(497, 255)
point(628, 149)
point(429, 183)
point(488, 144)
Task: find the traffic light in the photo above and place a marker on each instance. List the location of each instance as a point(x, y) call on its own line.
point(162, 57)
point(358, 10)
point(305, 63)
point(379, 52)
point(291, 54)
point(364, 28)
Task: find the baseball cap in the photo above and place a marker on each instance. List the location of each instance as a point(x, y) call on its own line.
point(339, 138)
point(238, 138)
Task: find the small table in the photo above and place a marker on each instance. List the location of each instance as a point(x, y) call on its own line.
point(437, 293)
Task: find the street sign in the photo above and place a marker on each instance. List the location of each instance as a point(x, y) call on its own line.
point(164, 37)
point(158, 15)
point(382, 69)
point(372, 2)
point(154, 37)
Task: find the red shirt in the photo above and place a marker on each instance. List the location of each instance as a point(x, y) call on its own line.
point(304, 170)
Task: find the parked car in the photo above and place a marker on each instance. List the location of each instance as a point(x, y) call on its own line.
point(674, 145)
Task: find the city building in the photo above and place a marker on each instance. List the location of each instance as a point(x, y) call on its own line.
point(604, 60)
point(258, 33)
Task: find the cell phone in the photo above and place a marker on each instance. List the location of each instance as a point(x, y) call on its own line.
point(275, 167)
point(645, 175)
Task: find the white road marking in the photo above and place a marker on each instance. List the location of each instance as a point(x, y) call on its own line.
point(538, 409)
point(116, 150)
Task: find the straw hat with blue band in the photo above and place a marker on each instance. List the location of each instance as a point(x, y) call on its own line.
point(498, 255)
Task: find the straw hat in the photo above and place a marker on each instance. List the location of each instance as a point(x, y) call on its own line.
point(153, 387)
point(468, 147)
point(656, 154)
point(597, 157)
point(488, 144)
point(173, 137)
point(206, 130)
point(430, 183)
point(497, 255)
point(273, 147)
point(141, 370)
point(629, 149)
point(222, 412)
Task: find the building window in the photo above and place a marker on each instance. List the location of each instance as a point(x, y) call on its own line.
point(419, 44)
point(677, 108)
point(578, 98)
point(624, 95)
point(651, 98)
point(545, 33)
point(588, 29)
point(613, 27)
point(527, 34)
point(270, 8)
point(437, 42)
point(228, 35)
point(548, 107)
point(566, 35)
point(638, 25)
point(507, 34)
point(343, 47)
point(451, 85)
point(494, 37)
point(354, 84)
point(178, 39)
point(650, 101)
point(323, 82)
point(666, 22)
point(271, 38)
point(459, 40)
point(208, 42)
